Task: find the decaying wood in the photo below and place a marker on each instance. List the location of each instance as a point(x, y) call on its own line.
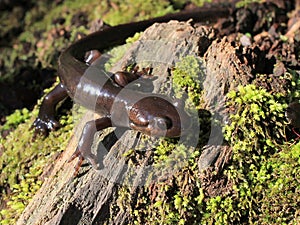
point(224, 72)
point(86, 199)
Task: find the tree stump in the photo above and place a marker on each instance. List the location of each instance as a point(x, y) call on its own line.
point(86, 199)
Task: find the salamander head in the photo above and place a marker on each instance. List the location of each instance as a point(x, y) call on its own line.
point(156, 116)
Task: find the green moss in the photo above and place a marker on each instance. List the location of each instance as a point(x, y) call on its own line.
point(118, 52)
point(22, 193)
point(23, 160)
point(13, 120)
point(260, 106)
point(244, 3)
point(187, 77)
point(277, 180)
point(256, 135)
point(263, 170)
point(262, 174)
point(130, 9)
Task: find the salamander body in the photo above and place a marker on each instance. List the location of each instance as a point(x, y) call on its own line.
point(152, 114)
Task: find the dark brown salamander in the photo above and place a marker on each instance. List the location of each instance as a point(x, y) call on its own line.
point(152, 114)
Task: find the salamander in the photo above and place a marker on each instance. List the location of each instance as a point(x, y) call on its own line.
point(151, 114)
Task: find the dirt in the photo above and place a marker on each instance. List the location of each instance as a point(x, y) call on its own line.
point(273, 35)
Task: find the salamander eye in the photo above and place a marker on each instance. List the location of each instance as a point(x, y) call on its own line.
point(91, 56)
point(163, 123)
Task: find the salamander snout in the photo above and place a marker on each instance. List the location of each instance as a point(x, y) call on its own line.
point(157, 116)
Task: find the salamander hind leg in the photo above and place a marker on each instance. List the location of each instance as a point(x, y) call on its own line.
point(83, 150)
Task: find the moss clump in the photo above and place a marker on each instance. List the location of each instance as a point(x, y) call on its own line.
point(23, 160)
point(256, 136)
point(279, 203)
point(187, 78)
point(16, 118)
point(262, 177)
point(118, 52)
point(129, 9)
point(244, 3)
point(265, 111)
point(22, 192)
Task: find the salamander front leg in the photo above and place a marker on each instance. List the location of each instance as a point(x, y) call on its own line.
point(123, 78)
point(46, 121)
point(83, 150)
